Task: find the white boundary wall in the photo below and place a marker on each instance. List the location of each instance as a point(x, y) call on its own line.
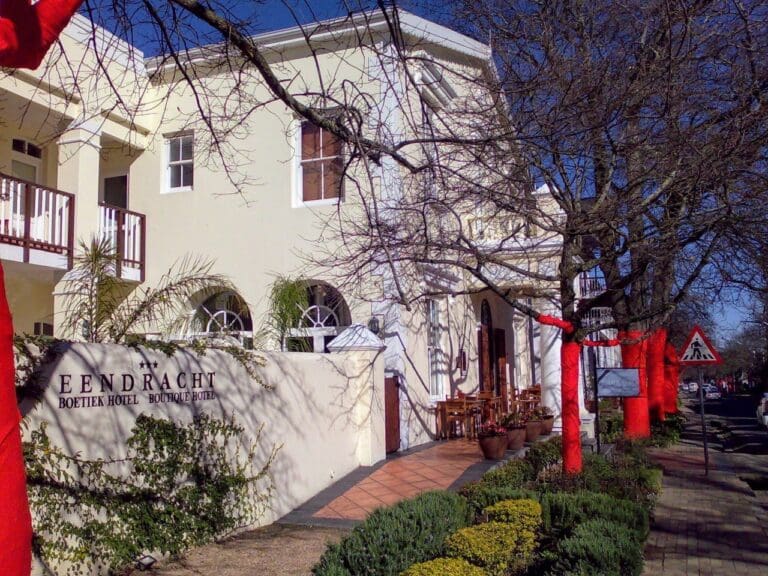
point(326, 410)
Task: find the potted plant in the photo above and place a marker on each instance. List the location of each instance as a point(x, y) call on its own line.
point(493, 440)
point(533, 427)
point(547, 419)
point(515, 426)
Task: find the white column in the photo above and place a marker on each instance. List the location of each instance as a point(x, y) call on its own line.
point(550, 378)
point(78, 174)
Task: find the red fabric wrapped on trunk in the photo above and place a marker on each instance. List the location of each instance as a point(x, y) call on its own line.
point(15, 521)
point(671, 377)
point(569, 365)
point(656, 374)
point(637, 423)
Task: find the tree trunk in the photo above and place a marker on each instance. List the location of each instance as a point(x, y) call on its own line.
point(636, 421)
point(656, 374)
point(672, 377)
point(16, 524)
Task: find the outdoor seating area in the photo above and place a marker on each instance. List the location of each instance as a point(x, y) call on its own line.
point(463, 415)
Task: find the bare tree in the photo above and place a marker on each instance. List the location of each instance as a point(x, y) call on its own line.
point(599, 135)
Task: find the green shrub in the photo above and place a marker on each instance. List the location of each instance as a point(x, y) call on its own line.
point(611, 427)
point(624, 477)
point(525, 515)
point(561, 512)
point(480, 495)
point(392, 539)
point(444, 567)
point(514, 474)
point(598, 548)
point(545, 454)
point(499, 548)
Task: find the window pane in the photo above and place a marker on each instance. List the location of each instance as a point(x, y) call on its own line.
point(187, 147)
point(332, 179)
point(310, 141)
point(18, 145)
point(174, 151)
point(331, 145)
point(311, 180)
point(187, 174)
point(175, 176)
point(34, 151)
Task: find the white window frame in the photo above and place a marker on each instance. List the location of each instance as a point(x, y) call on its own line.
point(435, 353)
point(167, 163)
point(298, 177)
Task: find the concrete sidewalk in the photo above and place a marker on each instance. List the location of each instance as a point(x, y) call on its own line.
point(711, 524)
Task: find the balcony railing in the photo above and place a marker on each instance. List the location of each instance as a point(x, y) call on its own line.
point(127, 232)
point(591, 286)
point(36, 218)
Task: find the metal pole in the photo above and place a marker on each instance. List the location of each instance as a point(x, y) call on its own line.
point(703, 421)
point(593, 366)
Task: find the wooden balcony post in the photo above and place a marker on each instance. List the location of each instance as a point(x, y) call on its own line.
point(120, 242)
point(27, 220)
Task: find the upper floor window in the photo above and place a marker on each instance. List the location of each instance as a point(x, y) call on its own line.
point(321, 164)
point(180, 162)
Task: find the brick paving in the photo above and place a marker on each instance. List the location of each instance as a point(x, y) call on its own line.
point(435, 468)
point(706, 524)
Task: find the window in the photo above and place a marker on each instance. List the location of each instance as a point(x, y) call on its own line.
point(321, 164)
point(434, 349)
point(25, 162)
point(223, 315)
point(180, 162)
point(325, 317)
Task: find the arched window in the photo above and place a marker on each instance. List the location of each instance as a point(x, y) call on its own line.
point(222, 315)
point(324, 318)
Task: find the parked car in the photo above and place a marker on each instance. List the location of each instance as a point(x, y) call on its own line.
point(762, 410)
point(711, 392)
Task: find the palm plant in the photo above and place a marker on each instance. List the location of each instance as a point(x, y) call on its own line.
point(102, 308)
point(288, 298)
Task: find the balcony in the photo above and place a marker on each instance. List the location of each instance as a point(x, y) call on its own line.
point(126, 231)
point(591, 285)
point(36, 223)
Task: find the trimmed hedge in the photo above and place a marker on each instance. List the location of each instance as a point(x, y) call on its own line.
point(392, 539)
point(562, 511)
point(500, 549)
point(598, 548)
point(444, 567)
point(542, 455)
point(480, 495)
point(513, 474)
point(524, 515)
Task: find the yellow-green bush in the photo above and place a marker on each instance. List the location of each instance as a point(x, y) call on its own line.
point(444, 567)
point(497, 547)
point(525, 515)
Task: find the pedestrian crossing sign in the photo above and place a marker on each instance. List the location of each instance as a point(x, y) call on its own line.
point(698, 351)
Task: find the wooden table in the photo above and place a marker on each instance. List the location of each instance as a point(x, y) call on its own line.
point(462, 410)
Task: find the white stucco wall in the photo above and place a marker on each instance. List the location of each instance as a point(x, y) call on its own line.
point(326, 411)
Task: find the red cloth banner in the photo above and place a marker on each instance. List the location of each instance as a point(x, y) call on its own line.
point(28, 30)
point(15, 521)
point(637, 423)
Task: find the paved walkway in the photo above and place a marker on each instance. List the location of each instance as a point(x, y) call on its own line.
point(436, 466)
point(707, 524)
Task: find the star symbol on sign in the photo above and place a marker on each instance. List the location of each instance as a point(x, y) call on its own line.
point(141, 364)
point(154, 365)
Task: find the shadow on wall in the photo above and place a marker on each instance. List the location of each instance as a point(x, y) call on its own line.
point(203, 417)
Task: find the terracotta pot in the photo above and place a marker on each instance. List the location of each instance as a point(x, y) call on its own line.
point(493, 447)
point(532, 430)
point(547, 424)
point(515, 438)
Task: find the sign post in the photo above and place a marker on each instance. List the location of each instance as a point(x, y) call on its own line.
point(698, 351)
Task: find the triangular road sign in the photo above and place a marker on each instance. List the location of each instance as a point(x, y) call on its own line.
point(698, 351)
